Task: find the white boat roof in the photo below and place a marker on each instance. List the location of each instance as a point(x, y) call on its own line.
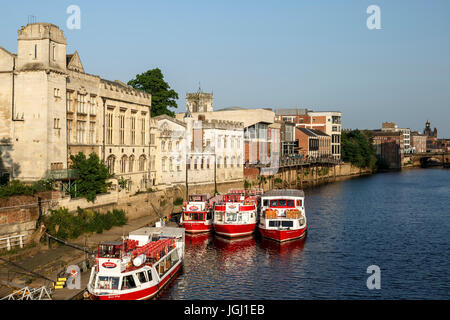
point(284, 193)
point(162, 231)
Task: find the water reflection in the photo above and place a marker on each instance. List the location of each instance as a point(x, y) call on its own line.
point(398, 221)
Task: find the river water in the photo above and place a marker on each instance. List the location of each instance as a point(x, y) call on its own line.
point(398, 221)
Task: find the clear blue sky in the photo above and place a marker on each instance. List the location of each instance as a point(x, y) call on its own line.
point(303, 53)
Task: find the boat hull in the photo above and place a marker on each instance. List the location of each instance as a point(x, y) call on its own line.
point(234, 230)
point(283, 235)
point(143, 294)
point(197, 227)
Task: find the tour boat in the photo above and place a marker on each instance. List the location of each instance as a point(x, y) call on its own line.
point(236, 213)
point(138, 267)
point(197, 214)
point(282, 215)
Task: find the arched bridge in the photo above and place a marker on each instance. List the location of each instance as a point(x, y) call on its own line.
point(428, 159)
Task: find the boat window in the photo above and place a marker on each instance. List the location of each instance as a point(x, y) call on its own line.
point(208, 215)
point(290, 203)
point(187, 216)
point(218, 217)
point(274, 223)
point(163, 267)
point(273, 203)
point(282, 203)
point(141, 277)
point(287, 223)
point(109, 283)
point(109, 251)
point(149, 274)
point(299, 203)
point(265, 203)
point(231, 217)
point(128, 282)
point(174, 257)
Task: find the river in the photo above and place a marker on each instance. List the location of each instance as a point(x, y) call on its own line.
point(397, 221)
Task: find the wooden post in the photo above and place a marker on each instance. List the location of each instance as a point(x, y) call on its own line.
point(21, 240)
point(8, 243)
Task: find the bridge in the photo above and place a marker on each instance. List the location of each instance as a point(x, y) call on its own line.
point(427, 159)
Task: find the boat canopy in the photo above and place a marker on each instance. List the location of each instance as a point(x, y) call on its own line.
point(284, 193)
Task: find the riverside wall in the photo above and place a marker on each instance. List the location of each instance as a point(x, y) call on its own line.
point(19, 214)
point(302, 177)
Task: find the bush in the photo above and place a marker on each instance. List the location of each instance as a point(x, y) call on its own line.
point(16, 188)
point(64, 225)
point(178, 202)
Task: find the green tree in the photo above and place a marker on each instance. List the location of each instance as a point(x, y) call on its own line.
point(358, 149)
point(163, 97)
point(92, 175)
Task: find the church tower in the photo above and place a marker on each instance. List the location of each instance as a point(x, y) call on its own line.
point(199, 101)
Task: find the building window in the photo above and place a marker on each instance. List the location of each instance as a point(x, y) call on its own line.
point(81, 129)
point(163, 164)
point(133, 129)
point(69, 102)
point(142, 160)
point(81, 99)
point(109, 128)
point(123, 164)
point(131, 164)
point(143, 131)
point(56, 123)
point(163, 145)
point(69, 130)
point(170, 164)
point(56, 93)
point(92, 106)
point(122, 128)
point(152, 139)
point(54, 52)
point(91, 132)
point(110, 162)
point(35, 51)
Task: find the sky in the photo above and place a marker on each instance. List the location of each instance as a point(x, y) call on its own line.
point(316, 54)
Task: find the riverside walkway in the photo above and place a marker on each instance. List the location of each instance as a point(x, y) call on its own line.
point(49, 262)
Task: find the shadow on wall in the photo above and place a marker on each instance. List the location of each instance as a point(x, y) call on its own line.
point(8, 169)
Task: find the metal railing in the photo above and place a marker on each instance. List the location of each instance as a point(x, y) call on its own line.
point(9, 242)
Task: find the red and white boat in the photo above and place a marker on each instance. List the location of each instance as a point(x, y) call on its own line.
point(138, 267)
point(235, 215)
point(197, 214)
point(282, 216)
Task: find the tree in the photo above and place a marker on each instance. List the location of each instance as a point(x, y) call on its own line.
point(92, 175)
point(357, 148)
point(163, 98)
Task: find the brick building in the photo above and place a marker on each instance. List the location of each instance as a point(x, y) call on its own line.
point(389, 146)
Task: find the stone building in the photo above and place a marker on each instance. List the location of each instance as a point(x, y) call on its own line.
point(199, 101)
point(392, 127)
point(51, 108)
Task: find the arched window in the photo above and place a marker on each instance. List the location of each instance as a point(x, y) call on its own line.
point(123, 164)
point(110, 163)
point(224, 162)
point(131, 164)
point(163, 145)
point(163, 164)
point(142, 161)
point(171, 164)
point(232, 162)
point(238, 164)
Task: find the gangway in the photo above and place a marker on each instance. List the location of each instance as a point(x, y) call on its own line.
point(42, 293)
